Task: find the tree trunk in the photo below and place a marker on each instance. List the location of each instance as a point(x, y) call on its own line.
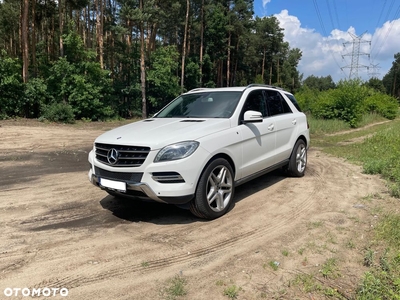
point(25, 40)
point(184, 45)
point(61, 24)
point(201, 42)
point(263, 65)
point(142, 65)
point(99, 31)
point(270, 74)
point(228, 61)
point(33, 41)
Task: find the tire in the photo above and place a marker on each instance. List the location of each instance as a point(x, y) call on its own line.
point(298, 160)
point(215, 190)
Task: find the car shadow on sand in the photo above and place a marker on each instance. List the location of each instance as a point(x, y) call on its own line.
point(133, 210)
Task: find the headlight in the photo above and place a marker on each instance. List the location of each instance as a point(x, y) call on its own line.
point(176, 151)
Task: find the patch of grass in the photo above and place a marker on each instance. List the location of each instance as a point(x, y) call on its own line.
point(388, 229)
point(331, 238)
point(320, 126)
point(308, 282)
point(220, 283)
point(285, 252)
point(305, 261)
point(371, 197)
point(313, 225)
point(232, 292)
point(273, 264)
point(370, 119)
point(330, 269)
point(176, 288)
point(145, 264)
point(383, 281)
point(350, 244)
point(369, 256)
point(313, 247)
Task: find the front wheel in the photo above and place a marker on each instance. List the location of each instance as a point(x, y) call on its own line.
point(215, 190)
point(298, 159)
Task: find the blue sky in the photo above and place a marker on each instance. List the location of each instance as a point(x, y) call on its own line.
point(320, 28)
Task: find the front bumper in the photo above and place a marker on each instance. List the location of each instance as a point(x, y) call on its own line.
point(172, 182)
point(140, 191)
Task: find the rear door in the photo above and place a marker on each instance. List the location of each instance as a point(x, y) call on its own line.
point(285, 124)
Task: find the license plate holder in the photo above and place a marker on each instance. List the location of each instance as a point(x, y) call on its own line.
point(114, 185)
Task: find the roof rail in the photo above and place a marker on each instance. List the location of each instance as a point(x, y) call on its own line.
point(197, 89)
point(263, 85)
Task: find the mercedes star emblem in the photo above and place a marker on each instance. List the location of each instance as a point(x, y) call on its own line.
point(112, 156)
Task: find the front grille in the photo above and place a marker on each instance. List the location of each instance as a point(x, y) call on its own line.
point(119, 176)
point(124, 156)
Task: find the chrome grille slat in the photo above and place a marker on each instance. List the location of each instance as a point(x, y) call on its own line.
point(129, 156)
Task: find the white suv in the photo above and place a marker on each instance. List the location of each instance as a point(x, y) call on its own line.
point(203, 144)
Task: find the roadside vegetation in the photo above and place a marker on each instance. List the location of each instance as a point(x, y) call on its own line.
point(375, 147)
point(348, 102)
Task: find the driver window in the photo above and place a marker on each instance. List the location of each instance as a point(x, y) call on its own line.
point(255, 101)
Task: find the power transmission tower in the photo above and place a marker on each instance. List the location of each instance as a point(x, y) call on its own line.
point(375, 70)
point(355, 54)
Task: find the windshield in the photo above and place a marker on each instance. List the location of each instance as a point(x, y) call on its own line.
point(220, 104)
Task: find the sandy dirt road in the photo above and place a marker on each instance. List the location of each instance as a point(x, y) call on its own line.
point(59, 231)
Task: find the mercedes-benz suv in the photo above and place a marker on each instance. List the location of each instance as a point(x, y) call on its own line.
point(203, 144)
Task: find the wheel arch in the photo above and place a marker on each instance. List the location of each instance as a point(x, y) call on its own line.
point(301, 137)
point(216, 156)
point(226, 157)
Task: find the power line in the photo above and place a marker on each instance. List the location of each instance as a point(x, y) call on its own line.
point(380, 15)
point(330, 14)
point(324, 31)
point(396, 14)
point(319, 17)
point(336, 14)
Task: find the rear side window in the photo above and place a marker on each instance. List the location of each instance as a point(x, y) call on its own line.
point(293, 100)
point(276, 103)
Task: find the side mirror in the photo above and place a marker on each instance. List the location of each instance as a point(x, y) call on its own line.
point(252, 116)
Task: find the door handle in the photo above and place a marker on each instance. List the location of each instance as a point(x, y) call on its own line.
point(271, 127)
point(294, 122)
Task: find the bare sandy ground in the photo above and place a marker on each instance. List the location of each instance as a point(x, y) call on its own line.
point(59, 231)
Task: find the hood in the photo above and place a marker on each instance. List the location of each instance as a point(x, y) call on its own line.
point(159, 132)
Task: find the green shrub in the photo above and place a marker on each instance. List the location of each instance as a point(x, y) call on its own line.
point(382, 104)
point(35, 97)
point(59, 112)
point(348, 102)
point(11, 87)
point(306, 97)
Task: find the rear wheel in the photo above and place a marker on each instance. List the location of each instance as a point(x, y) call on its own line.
point(298, 159)
point(215, 190)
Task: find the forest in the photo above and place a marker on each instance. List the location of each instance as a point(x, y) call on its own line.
point(101, 59)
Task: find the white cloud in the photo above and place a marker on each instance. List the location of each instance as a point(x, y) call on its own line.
point(265, 2)
point(323, 56)
point(386, 40)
